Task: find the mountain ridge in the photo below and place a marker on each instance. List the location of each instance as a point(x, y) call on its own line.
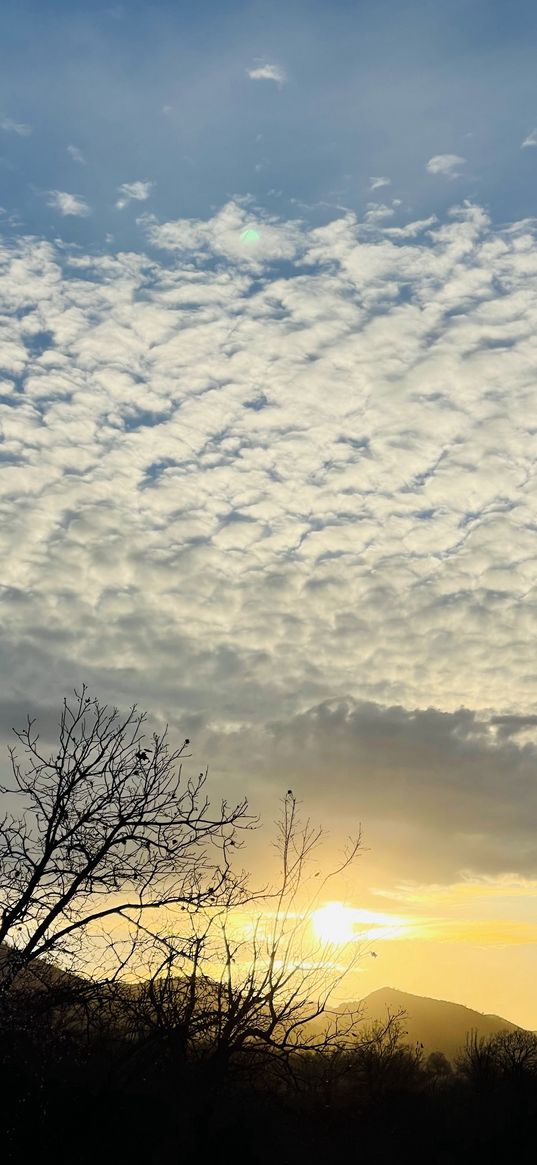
point(438, 1024)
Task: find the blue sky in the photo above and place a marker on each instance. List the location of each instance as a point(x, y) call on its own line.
point(367, 90)
point(268, 356)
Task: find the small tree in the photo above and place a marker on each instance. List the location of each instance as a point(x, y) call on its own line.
point(254, 993)
point(476, 1062)
point(515, 1053)
point(382, 1062)
point(438, 1067)
point(107, 829)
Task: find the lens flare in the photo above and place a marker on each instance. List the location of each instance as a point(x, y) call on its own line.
point(250, 235)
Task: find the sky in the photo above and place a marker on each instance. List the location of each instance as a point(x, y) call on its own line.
point(268, 297)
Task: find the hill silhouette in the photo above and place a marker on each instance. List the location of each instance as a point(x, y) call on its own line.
point(437, 1024)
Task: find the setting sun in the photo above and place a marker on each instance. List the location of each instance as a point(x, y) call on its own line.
point(334, 923)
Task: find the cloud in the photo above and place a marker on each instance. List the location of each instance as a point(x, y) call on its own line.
point(234, 233)
point(273, 482)
point(441, 794)
point(18, 127)
point(133, 192)
point(480, 932)
point(68, 204)
point(268, 73)
point(376, 183)
point(76, 155)
point(530, 140)
point(378, 211)
point(446, 164)
point(514, 725)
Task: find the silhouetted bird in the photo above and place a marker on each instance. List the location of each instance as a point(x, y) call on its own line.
point(373, 954)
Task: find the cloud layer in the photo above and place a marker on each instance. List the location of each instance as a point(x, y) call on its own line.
point(263, 467)
point(442, 795)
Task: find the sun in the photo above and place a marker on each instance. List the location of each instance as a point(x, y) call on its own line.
point(334, 923)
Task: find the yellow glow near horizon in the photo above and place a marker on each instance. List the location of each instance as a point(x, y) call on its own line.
point(473, 942)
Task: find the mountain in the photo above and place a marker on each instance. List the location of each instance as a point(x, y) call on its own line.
point(438, 1025)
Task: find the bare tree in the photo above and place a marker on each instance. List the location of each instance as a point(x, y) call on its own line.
point(277, 981)
point(476, 1062)
point(515, 1052)
point(258, 990)
point(381, 1061)
point(108, 830)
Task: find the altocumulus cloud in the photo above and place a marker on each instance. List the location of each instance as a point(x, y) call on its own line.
point(133, 192)
point(268, 73)
point(446, 164)
point(17, 127)
point(264, 470)
point(76, 154)
point(68, 204)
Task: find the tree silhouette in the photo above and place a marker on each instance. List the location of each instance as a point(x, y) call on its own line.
point(107, 830)
point(438, 1067)
point(515, 1052)
point(249, 987)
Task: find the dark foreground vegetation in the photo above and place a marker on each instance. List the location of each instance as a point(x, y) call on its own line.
point(154, 1007)
point(103, 1080)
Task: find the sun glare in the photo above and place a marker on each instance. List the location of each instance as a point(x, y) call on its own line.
point(334, 923)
